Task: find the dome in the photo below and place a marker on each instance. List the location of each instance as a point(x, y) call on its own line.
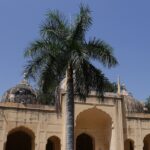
point(133, 105)
point(21, 93)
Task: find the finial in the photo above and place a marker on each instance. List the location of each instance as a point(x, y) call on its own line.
point(24, 75)
point(118, 86)
point(124, 90)
point(124, 87)
point(24, 81)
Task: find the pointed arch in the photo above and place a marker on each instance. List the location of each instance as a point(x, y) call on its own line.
point(129, 144)
point(84, 142)
point(20, 138)
point(53, 143)
point(94, 110)
point(146, 142)
point(97, 123)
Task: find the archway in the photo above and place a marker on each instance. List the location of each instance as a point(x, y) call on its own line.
point(53, 143)
point(146, 143)
point(128, 144)
point(20, 139)
point(96, 123)
point(84, 142)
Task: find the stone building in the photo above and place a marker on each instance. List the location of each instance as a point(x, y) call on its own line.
point(118, 122)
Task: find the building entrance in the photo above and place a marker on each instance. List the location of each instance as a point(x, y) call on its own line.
point(84, 142)
point(19, 140)
point(53, 143)
point(146, 143)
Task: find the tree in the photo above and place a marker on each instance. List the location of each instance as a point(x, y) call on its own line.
point(63, 50)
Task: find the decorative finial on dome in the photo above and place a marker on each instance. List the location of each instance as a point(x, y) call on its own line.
point(24, 81)
point(25, 75)
point(124, 90)
point(124, 87)
point(118, 86)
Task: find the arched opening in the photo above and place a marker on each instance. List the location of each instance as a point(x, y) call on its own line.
point(53, 143)
point(128, 144)
point(84, 142)
point(19, 140)
point(96, 123)
point(146, 143)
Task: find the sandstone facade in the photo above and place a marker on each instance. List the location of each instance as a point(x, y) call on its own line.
point(115, 123)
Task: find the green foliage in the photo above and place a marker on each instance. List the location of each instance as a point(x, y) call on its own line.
point(62, 44)
point(111, 87)
point(45, 98)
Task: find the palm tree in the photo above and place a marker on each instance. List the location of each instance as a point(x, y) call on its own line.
point(64, 50)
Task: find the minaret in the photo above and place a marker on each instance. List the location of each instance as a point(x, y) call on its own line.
point(118, 86)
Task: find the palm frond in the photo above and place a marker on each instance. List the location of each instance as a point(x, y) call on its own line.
point(61, 44)
point(53, 73)
point(82, 23)
point(101, 51)
point(55, 26)
point(45, 98)
point(41, 53)
point(35, 48)
point(88, 78)
point(32, 68)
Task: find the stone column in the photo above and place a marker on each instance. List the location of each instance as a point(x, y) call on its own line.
point(41, 140)
point(63, 146)
point(113, 138)
point(138, 144)
point(119, 125)
point(3, 140)
point(2, 145)
point(3, 133)
point(138, 147)
point(42, 146)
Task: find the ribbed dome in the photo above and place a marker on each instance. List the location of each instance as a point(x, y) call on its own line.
point(21, 93)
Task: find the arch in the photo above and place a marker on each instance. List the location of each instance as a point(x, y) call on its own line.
point(97, 113)
point(20, 138)
point(53, 143)
point(91, 109)
point(24, 129)
point(129, 144)
point(146, 142)
point(84, 142)
point(97, 123)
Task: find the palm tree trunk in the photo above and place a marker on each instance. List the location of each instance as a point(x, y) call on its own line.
point(70, 110)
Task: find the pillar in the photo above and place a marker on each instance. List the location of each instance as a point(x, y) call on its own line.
point(42, 146)
point(119, 125)
point(113, 138)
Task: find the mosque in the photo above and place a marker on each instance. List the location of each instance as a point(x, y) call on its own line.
point(119, 122)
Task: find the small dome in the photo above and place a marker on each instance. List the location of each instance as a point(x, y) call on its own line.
point(21, 93)
point(133, 105)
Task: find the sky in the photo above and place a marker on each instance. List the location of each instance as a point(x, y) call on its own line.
point(124, 24)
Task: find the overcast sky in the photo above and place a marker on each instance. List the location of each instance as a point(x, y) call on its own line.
point(124, 24)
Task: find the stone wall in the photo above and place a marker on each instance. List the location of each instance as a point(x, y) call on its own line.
point(105, 121)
